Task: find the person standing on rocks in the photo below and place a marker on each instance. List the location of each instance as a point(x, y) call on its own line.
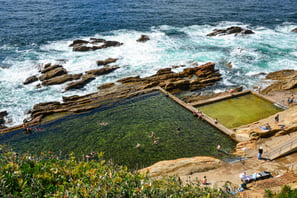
point(276, 118)
point(260, 152)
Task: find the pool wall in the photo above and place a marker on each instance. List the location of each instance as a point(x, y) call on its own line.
point(211, 121)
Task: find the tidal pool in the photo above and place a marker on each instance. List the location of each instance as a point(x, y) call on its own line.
point(240, 110)
point(116, 128)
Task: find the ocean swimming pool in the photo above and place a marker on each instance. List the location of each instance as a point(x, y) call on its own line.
point(116, 128)
point(239, 110)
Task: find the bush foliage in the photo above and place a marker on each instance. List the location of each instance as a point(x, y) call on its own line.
point(48, 176)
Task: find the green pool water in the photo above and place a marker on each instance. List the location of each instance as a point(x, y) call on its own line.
point(240, 110)
point(116, 129)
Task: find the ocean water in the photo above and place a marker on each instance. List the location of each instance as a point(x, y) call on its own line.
point(35, 32)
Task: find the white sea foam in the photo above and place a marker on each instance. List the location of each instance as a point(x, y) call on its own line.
point(265, 51)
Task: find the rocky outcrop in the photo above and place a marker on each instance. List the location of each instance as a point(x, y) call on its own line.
point(105, 86)
point(2, 121)
point(143, 38)
point(53, 73)
point(61, 79)
point(105, 70)
point(49, 67)
point(78, 42)
point(130, 80)
point(4, 66)
point(87, 78)
point(183, 166)
point(294, 30)
point(285, 80)
point(130, 86)
point(30, 79)
point(231, 30)
point(106, 61)
point(91, 45)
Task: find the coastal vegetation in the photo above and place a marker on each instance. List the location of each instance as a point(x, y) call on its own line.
point(48, 176)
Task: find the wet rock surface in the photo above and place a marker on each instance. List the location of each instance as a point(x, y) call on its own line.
point(30, 79)
point(106, 61)
point(231, 30)
point(92, 44)
point(143, 38)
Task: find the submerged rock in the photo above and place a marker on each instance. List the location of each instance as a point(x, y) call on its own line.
point(143, 38)
point(30, 79)
point(83, 45)
point(2, 115)
point(231, 30)
point(78, 42)
point(294, 30)
point(106, 61)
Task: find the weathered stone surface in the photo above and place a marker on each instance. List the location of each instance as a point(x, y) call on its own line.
point(61, 79)
point(290, 83)
point(164, 71)
point(2, 115)
point(183, 166)
point(53, 73)
point(180, 84)
point(70, 98)
point(50, 67)
point(97, 40)
point(38, 86)
point(43, 108)
point(229, 65)
point(80, 45)
point(231, 30)
point(143, 38)
point(106, 61)
point(105, 86)
point(81, 83)
point(4, 66)
point(82, 48)
point(30, 79)
point(109, 44)
point(286, 80)
point(282, 74)
point(78, 42)
point(47, 65)
point(130, 79)
point(105, 70)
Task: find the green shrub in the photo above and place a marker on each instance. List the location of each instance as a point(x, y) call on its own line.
point(49, 176)
point(286, 192)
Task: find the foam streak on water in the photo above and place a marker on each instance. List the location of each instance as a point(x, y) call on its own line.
point(265, 51)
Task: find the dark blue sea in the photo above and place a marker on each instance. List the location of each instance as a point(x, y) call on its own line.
point(36, 32)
